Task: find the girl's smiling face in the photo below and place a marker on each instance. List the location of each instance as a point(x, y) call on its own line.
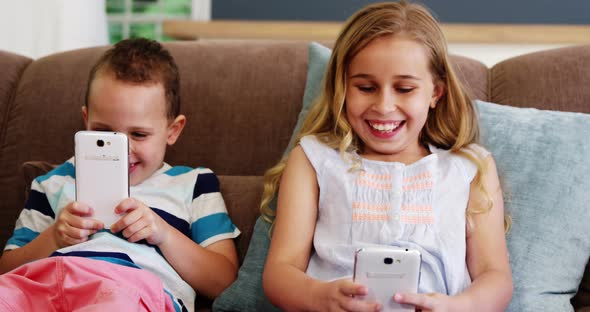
point(139, 111)
point(389, 91)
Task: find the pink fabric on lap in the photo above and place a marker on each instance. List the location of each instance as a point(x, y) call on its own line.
point(81, 284)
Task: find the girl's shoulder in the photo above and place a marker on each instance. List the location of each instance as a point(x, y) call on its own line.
point(466, 160)
point(477, 151)
point(469, 152)
point(313, 144)
point(321, 154)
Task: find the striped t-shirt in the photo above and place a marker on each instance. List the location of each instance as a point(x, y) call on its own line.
point(186, 198)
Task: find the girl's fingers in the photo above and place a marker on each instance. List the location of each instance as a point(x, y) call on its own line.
point(351, 289)
point(419, 300)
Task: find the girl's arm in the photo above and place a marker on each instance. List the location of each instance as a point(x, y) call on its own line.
point(487, 258)
point(284, 280)
point(487, 253)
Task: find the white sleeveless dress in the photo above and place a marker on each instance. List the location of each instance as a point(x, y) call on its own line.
point(420, 206)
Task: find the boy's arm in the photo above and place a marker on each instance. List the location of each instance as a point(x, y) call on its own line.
point(40, 247)
point(72, 227)
point(209, 270)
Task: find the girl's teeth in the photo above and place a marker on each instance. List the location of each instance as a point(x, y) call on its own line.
point(385, 127)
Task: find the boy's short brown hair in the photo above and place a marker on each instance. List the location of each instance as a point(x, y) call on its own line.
point(141, 60)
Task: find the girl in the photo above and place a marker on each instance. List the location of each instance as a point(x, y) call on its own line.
point(388, 156)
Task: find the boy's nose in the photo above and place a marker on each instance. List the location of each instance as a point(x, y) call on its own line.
point(131, 148)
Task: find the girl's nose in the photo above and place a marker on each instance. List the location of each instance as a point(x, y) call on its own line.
point(385, 103)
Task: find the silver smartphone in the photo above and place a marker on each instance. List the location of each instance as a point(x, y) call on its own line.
point(102, 172)
point(386, 271)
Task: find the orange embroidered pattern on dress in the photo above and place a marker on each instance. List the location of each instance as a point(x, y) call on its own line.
point(373, 176)
point(417, 205)
point(422, 176)
point(424, 208)
point(369, 217)
point(418, 186)
point(417, 219)
point(373, 207)
point(370, 212)
point(374, 181)
point(374, 185)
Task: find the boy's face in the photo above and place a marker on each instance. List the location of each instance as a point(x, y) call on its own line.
point(139, 111)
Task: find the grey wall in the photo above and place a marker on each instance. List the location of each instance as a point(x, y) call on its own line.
point(447, 11)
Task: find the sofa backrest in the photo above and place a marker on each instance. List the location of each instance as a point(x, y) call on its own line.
point(12, 66)
point(552, 79)
point(241, 99)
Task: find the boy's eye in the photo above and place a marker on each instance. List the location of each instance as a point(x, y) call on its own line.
point(138, 134)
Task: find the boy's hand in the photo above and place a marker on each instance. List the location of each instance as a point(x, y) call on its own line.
point(141, 222)
point(339, 296)
point(74, 226)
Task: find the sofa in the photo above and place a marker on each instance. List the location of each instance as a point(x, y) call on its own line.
point(242, 100)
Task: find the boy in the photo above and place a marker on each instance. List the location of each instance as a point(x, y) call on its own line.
point(174, 236)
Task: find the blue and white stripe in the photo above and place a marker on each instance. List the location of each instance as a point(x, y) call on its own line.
point(186, 198)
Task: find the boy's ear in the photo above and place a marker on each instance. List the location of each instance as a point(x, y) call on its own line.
point(85, 116)
point(175, 128)
point(438, 92)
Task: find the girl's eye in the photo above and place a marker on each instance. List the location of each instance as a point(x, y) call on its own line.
point(366, 89)
point(404, 90)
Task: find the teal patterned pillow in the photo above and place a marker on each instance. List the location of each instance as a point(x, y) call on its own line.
point(543, 162)
point(246, 293)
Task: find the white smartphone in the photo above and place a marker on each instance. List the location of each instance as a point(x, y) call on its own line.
point(102, 172)
point(386, 271)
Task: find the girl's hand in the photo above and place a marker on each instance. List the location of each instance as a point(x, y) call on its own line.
point(74, 226)
point(339, 296)
point(140, 222)
point(434, 302)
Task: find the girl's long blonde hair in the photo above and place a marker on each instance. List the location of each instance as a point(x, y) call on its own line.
point(451, 125)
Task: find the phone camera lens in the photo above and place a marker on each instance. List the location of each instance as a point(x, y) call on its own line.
point(100, 143)
point(388, 261)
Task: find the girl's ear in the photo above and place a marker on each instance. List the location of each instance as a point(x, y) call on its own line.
point(175, 128)
point(85, 116)
point(438, 92)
